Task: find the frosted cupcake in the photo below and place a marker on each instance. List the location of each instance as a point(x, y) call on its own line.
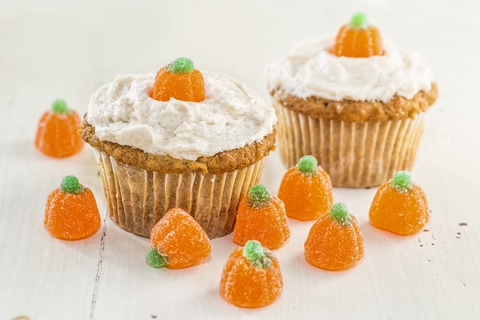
point(180, 138)
point(356, 102)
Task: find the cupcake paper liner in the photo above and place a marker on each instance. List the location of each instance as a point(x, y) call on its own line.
point(138, 198)
point(354, 154)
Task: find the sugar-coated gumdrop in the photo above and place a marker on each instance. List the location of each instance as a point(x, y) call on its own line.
point(402, 181)
point(307, 165)
point(70, 184)
point(257, 255)
point(262, 217)
point(155, 259)
point(71, 212)
point(335, 241)
point(359, 20)
point(251, 277)
point(339, 213)
point(358, 39)
point(181, 65)
point(60, 106)
point(178, 241)
point(399, 206)
point(57, 132)
point(306, 190)
point(179, 80)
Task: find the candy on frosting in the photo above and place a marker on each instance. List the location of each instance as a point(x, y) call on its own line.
point(311, 70)
point(358, 39)
point(180, 80)
point(230, 117)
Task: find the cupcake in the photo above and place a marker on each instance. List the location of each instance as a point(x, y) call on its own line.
point(356, 102)
point(178, 139)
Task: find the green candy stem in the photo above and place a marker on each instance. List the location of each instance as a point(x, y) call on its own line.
point(402, 181)
point(59, 106)
point(181, 65)
point(155, 259)
point(259, 196)
point(257, 255)
point(359, 20)
point(307, 165)
point(70, 184)
point(339, 213)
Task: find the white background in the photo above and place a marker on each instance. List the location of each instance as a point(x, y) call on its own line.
point(62, 49)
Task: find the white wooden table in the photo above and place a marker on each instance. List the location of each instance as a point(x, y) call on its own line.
point(58, 49)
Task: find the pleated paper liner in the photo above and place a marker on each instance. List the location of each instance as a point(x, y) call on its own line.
point(354, 154)
point(138, 198)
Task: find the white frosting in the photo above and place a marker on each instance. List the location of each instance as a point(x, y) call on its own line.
point(310, 70)
point(230, 117)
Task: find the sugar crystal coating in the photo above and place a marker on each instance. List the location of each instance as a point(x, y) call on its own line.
point(261, 216)
point(402, 181)
point(59, 106)
point(357, 39)
point(57, 131)
point(306, 190)
point(333, 245)
point(179, 240)
point(359, 20)
point(71, 212)
point(399, 206)
point(181, 65)
point(70, 184)
point(246, 285)
point(257, 255)
point(339, 213)
point(155, 259)
point(259, 196)
point(179, 80)
point(307, 164)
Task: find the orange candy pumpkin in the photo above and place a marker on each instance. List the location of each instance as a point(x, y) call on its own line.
point(306, 190)
point(179, 80)
point(251, 277)
point(399, 206)
point(178, 241)
point(358, 39)
point(261, 216)
point(57, 132)
point(71, 212)
point(335, 241)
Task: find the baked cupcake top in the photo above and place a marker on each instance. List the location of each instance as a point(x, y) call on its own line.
point(392, 84)
point(311, 70)
point(230, 117)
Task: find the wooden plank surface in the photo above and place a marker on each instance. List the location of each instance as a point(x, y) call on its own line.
point(55, 49)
